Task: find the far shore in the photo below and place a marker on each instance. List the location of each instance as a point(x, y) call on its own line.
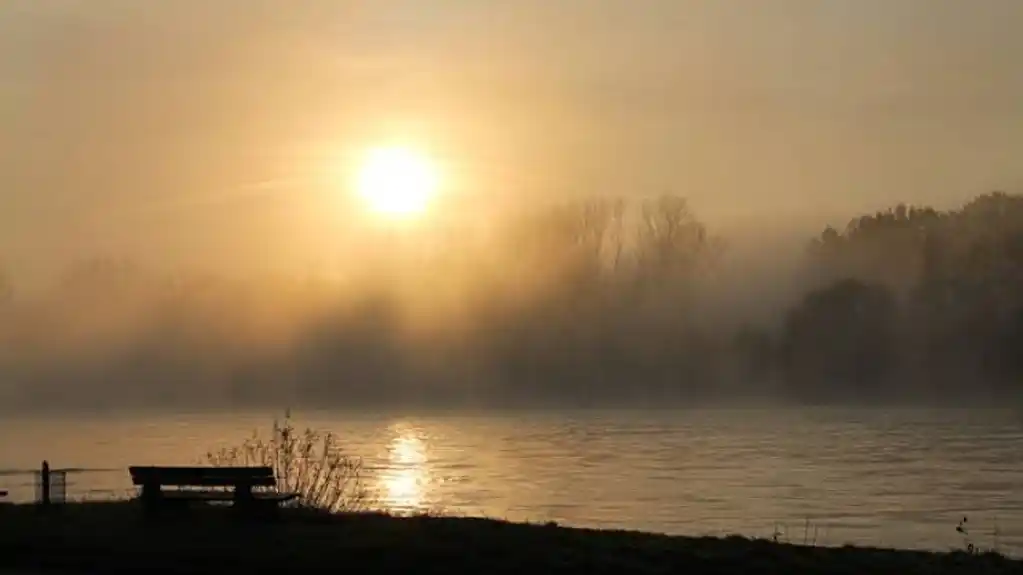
point(113, 537)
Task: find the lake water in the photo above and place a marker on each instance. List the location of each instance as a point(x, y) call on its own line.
point(899, 478)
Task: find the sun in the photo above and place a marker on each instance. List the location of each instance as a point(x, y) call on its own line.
point(397, 181)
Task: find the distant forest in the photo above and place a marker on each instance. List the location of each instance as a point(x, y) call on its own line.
point(590, 302)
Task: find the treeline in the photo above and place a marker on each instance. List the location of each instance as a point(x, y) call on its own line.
point(915, 300)
point(588, 302)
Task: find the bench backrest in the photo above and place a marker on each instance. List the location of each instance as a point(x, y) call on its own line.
point(203, 476)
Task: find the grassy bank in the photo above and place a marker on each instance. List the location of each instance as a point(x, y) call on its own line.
point(113, 538)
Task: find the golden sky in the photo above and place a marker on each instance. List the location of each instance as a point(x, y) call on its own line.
point(213, 131)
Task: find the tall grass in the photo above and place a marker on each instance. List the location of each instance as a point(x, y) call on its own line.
point(311, 463)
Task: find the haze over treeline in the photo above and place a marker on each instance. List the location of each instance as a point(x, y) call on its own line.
point(582, 302)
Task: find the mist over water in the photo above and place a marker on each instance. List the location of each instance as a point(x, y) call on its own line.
point(589, 302)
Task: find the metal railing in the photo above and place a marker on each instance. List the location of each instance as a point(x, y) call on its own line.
point(45, 485)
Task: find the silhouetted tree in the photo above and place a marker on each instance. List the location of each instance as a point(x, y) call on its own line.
point(840, 339)
point(884, 248)
point(592, 236)
point(671, 243)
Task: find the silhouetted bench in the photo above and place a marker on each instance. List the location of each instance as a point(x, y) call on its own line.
point(207, 485)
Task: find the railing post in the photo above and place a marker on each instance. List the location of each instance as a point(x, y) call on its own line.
point(44, 483)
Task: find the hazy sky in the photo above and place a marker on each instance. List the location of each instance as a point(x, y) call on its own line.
point(217, 131)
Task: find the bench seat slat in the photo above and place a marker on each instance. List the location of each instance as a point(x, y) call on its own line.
point(205, 481)
point(195, 495)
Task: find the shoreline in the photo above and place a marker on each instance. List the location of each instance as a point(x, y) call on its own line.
point(113, 537)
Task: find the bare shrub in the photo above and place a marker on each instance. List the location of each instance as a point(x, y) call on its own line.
point(310, 463)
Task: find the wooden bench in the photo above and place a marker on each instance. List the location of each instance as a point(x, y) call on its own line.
point(207, 485)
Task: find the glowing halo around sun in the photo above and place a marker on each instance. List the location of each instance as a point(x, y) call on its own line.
point(397, 181)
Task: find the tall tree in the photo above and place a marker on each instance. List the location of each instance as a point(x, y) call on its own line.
point(671, 242)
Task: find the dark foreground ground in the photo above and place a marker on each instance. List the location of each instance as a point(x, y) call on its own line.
point(113, 538)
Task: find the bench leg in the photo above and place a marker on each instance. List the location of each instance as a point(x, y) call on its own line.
point(151, 499)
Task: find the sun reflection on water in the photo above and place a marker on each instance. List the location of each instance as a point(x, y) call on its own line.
point(407, 475)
